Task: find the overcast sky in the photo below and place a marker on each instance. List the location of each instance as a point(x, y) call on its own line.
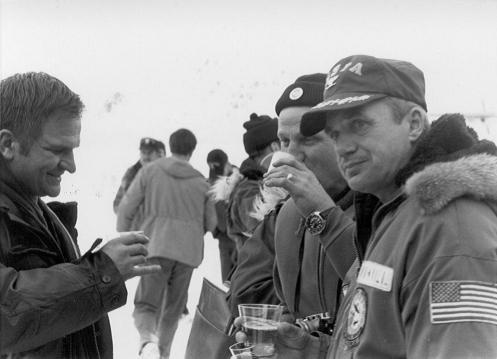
point(146, 68)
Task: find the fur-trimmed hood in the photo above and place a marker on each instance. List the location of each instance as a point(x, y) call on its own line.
point(267, 200)
point(223, 187)
point(450, 162)
point(440, 183)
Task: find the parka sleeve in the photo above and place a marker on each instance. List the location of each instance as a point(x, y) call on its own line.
point(118, 198)
point(241, 214)
point(449, 297)
point(241, 205)
point(131, 202)
point(41, 305)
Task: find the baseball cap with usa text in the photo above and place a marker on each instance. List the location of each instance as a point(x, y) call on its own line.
point(359, 79)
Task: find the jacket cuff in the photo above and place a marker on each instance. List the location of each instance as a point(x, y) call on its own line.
point(108, 280)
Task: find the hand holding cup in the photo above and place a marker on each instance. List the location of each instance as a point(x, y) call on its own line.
point(128, 252)
point(259, 323)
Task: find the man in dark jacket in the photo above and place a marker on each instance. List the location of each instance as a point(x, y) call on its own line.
point(218, 163)
point(424, 284)
point(306, 282)
point(260, 141)
point(53, 301)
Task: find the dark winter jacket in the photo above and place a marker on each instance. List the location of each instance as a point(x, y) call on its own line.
point(128, 177)
point(305, 279)
point(53, 302)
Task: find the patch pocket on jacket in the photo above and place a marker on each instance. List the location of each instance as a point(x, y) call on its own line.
point(22, 258)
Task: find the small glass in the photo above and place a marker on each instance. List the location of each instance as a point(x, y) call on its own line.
point(242, 351)
point(259, 323)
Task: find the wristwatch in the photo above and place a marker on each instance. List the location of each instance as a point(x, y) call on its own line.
point(315, 223)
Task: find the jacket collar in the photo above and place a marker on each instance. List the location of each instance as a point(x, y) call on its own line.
point(14, 202)
point(439, 184)
point(37, 216)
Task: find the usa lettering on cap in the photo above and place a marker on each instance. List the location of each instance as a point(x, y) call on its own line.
point(335, 72)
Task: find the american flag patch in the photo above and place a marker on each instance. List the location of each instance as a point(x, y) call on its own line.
point(463, 301)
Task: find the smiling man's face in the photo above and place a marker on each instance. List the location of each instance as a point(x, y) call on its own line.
point(39, 170)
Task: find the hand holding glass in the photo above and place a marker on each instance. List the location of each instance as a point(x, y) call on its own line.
point(259, 322)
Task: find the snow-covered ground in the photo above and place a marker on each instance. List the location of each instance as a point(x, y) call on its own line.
point(124, 333)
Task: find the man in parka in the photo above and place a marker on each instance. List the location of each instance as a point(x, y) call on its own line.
point(425, 282)
point(177, 213)
point(53, 301)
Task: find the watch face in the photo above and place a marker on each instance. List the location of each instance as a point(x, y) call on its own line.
point(315, 223)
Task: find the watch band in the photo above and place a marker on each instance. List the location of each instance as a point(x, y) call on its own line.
point(315, 223)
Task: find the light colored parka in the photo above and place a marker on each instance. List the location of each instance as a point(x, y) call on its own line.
point(177, 209)
point(427, 287)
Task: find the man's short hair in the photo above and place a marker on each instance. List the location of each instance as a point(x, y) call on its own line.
point(27, 101)
point(182, 142)
point(401, 107)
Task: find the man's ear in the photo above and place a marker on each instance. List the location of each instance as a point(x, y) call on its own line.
point(275, 146)
point(8, 144)
point(417, 122)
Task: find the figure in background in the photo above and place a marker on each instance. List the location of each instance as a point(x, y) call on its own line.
point(53, 301)
point(150, 150)
point(240, 189)
point(218, 163)
point(177, 213)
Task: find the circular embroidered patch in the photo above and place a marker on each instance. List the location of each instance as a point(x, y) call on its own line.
point(296, 93)
point(356, 318)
